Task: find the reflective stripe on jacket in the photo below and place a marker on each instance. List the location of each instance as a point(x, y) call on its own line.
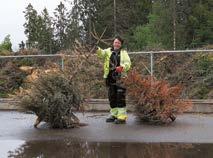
point(124, 60)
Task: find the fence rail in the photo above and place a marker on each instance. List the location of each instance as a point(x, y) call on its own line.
point(130, 53)
point(174, 51)
point(62, 56)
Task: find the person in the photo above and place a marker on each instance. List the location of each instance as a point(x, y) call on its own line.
point(116, 65)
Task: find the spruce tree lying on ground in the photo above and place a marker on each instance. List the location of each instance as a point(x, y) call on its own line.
point(154, 101)
point(52, 97)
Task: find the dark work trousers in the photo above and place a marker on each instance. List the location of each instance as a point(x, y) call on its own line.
point(117, 95)
point(116, 92)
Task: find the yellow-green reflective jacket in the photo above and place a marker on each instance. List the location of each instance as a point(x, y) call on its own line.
point(124, 60)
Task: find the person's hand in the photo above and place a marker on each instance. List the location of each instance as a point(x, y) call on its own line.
point(119, 69)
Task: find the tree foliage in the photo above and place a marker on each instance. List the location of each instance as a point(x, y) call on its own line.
point(11, 78)
point(31, 26)
point(53, 97)
point(6, 44)
point(50, 34)
point(190, 20)
point(155, 101)
point(159, 24)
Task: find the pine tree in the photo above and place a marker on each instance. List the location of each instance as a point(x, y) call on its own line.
point(31, 29)
point(60, 25)
point(47, 37)
point(73, 29)
point(101, 13)
point(85, 11)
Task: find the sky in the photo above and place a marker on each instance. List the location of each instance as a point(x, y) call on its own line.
point(12, 17)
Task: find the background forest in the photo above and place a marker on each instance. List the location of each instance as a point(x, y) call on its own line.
point(144, 24)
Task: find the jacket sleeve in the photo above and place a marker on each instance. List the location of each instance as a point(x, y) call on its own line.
point(101, 53)
point(126, 63)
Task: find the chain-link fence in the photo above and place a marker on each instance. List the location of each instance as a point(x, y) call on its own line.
point(193, 69)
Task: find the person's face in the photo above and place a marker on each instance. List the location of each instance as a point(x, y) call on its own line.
point(116, 44)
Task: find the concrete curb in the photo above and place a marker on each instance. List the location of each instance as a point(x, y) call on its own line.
point(199, 106)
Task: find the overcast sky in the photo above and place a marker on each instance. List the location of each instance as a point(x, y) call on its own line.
point(12, 17)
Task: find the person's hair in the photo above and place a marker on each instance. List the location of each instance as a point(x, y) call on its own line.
point(119, 38)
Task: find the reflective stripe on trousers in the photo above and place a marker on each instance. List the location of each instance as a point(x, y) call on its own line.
point(119, 113)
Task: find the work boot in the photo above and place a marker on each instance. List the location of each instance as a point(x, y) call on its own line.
point(111, 119)
point(119, 121)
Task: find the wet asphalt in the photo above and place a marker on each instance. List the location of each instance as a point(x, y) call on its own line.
point(188, 128)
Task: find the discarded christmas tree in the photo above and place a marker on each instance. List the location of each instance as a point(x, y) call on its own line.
point(52, 97)
point(155, 101)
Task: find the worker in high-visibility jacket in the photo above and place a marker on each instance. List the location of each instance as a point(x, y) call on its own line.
point(116, 65)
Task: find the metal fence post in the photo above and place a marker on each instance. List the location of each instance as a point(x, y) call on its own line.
point(151, 63)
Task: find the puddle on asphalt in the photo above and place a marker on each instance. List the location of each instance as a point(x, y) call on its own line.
point(76, 149)
point(9, 145)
